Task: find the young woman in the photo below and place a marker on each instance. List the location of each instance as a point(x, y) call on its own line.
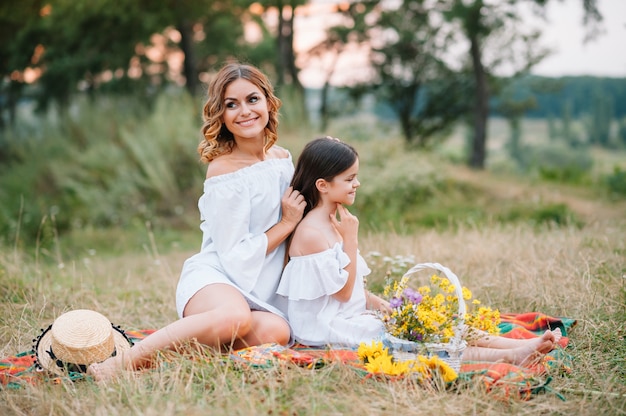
point(226, 295)
point(323, 281)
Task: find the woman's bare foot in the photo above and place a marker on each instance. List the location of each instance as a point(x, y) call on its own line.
point(104, 371)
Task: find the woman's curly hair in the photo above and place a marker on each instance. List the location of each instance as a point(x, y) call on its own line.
point(218, 140)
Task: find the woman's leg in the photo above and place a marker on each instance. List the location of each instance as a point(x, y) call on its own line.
point(216, 315)
point(266, 327)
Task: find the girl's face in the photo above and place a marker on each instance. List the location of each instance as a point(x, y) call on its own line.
point(342, 189)
point(246, 111)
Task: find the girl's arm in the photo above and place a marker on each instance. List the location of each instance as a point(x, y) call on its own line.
point(348, 226)
point(376, 303)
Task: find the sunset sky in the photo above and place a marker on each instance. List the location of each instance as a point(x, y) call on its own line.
point(563, 33)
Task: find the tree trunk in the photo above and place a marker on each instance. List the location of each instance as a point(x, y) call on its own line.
point(287, 70)
point(481, 107)
point(280, 78)
point(290, 56)
point(324, 116)
point(189, 64)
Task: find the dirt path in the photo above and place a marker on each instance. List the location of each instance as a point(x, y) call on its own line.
point(581, 201)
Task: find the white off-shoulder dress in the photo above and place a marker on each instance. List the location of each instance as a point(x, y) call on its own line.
point(236, 210)
point(315, 316)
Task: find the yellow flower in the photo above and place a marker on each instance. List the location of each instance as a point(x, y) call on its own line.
point(377, 360)
point(372, 351)
point(384, 364)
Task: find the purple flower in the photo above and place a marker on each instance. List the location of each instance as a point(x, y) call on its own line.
point(395, 302)
point(413, 296)
point(416, 336)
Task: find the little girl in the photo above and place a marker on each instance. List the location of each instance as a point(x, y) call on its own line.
point(323, 280)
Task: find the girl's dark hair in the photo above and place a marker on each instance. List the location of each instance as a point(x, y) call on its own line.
point(322, 158)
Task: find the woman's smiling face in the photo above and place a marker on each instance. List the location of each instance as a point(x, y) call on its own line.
point(245, 110)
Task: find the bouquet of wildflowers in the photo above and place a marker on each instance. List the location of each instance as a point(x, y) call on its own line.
point(431, 313)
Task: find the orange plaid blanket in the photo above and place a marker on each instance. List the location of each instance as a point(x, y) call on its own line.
point(500, 378)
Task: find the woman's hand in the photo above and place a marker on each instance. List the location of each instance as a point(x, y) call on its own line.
point(293, 205)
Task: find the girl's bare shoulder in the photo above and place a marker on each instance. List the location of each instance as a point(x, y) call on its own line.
point(309, 238)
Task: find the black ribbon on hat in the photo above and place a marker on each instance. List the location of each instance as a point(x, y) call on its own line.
point(71, 367)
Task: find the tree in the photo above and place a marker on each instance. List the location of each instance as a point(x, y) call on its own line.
point(287, 70)
point(600, 119)
point(513, 109)
point(339, 38)
point(406, 70)
point(15, 18)
point(283, 53)
point(481, 22)
point(80, 45)
point(427, 96)
point(211, 32)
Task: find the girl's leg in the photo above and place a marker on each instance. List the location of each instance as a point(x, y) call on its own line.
point(489, 341)
point(520, 355)
point(216, 315)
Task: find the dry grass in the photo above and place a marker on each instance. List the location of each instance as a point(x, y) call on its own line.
point(561, 271)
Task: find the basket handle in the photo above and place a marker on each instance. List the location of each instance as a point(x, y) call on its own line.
point(450, 275)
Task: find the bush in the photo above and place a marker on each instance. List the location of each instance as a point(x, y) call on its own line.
point(616, 183)
point(549, 214)
point(557, 162)
point(102, 165)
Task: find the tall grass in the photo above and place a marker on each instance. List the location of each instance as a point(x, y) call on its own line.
point(564, 271)
point(101, 164)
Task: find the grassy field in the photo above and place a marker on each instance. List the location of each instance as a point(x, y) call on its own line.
point(574, 269)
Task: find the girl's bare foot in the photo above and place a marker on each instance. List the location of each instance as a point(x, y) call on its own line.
point(549, 335)
point(533, 351)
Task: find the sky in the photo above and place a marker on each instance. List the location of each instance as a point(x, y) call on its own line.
point(563, 32)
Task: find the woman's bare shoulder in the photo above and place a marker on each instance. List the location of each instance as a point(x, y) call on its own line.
point(277, 152)
point(221, 165)
point(226, 163)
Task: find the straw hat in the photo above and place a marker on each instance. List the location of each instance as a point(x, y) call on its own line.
point(77, 339)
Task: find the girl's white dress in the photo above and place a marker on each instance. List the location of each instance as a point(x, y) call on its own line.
point(236, 210)
point(315, 316)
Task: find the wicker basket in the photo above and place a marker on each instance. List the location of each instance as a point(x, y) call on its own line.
point(450, 352)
